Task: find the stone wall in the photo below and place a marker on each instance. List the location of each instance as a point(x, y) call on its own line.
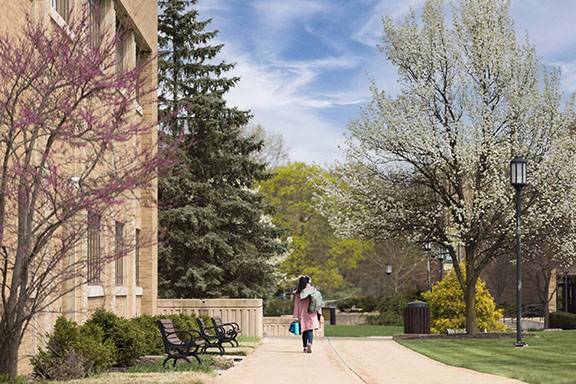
point(248, 313)
point(278, 326)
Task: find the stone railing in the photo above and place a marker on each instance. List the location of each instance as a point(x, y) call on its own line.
point(246, 312)
point(278, 326)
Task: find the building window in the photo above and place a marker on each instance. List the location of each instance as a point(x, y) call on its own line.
point(94, 249)
point(137, 256)
point(93, 19)
point(120, 42)
point(62, 7)
point(119, 253)
point(139, 63)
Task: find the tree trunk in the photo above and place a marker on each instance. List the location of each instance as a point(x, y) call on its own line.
point(546, 314)
point(470, 300)
point(10, 342)
point(546, 301)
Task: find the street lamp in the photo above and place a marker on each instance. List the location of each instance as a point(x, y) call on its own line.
point(442, 256)
point(428, 248)
point(566, 270)
point(518, 181)
point(388, 273)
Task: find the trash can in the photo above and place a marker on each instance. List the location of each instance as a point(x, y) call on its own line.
point(329, 314)
point(417, 318)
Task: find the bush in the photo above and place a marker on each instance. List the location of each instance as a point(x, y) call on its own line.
point(69, 366)
point(448, 310)
point(563, 320)
point(72, 352)
point(278, 307)
point(391, 309)
point(151, 339)
point(128, 341)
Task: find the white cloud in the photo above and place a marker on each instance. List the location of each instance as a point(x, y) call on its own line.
point(371, 33)
point(281, 99)
point(550, 25)
point(276, 15)
point(568, 81)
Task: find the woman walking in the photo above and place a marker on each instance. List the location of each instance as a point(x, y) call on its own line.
point(309, 321)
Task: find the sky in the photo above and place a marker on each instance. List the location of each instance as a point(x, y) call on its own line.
point(305, 65)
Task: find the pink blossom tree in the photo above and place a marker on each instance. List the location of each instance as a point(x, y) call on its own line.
point(69, 144)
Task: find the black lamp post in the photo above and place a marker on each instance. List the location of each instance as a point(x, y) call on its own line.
point(566, 270)
point(428, 248)
point(518, 181)
point(388, 273)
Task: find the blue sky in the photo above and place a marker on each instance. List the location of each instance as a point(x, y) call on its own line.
point(305, 64)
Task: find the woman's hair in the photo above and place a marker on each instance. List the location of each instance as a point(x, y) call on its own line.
point(304, 280)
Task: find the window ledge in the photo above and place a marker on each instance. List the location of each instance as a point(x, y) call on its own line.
point(57, 18)
point(120, 291)
point(138, 108)
point(139, 291)
point(61, 23)
point(95, 291)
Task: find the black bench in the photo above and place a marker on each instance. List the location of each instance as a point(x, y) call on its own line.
point(174, 346)
point(226, 331)
point(210, 340)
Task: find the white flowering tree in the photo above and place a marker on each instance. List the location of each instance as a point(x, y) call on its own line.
point(432, 162)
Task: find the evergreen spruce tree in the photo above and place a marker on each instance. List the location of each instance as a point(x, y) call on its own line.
point(216, 240)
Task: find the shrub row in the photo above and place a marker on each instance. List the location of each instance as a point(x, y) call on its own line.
point(278, 307)
point(564, 320)
point(73, 351)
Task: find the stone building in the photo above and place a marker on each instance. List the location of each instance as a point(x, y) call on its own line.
point(127, 286)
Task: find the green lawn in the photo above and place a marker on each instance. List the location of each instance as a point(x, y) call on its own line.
point(549, 358)
point(361, 330)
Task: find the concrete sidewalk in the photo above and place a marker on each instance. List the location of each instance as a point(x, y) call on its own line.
point(280, 360)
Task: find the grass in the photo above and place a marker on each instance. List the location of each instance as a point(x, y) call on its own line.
point(146, 378)
point(248, 339)
point(208, 363)
point(549, 358)
point(361, 330)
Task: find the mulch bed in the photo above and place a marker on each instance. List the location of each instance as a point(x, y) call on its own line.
point(502, 335)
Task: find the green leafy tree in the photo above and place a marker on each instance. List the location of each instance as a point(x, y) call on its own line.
point(448, 308)
point(217, 241)
point(316, 251)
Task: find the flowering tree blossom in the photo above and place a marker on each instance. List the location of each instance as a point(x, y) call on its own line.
point(432, 162)
point(69, 144)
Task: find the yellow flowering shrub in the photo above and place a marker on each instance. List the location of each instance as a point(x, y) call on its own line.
point(448, 311)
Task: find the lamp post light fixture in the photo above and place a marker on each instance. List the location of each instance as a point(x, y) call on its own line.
point(518, 181)
point(428, 248)
point(388, 273)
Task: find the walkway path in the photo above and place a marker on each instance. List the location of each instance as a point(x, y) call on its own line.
point(347, 361)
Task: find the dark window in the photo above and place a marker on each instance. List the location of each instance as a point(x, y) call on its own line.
point(137, 256)
point(120, 41)
point(119, 253)
point(94, 249)
point(93, 19)
point(62, 7)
